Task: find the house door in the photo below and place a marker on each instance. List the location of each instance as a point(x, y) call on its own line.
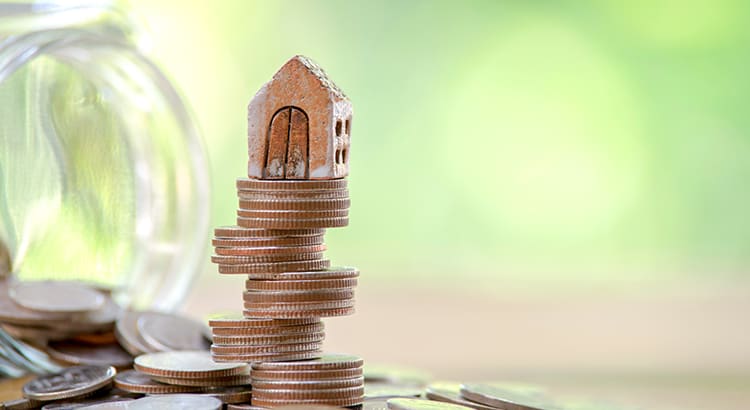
point(288, 149)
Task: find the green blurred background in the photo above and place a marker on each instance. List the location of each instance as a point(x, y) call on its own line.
point(550, 191)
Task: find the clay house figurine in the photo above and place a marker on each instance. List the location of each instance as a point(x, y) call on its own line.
point(299, 125)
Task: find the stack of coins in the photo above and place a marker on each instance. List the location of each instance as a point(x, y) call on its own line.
point(299, 125)
point(334, 379)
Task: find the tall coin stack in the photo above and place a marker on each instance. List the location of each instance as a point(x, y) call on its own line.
point(299, 128)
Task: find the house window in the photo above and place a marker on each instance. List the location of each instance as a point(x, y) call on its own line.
point(339, 156)
point(338, 128)
point(344, 155)
point(348, 126)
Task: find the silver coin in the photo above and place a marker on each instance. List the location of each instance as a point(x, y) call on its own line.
point(71, 382)
point(165, 332)
point(126, 332)
point(109, 405)
point(451, 393)
point(101, 404)
point(196, 364)
point(53, 296)
point(176, 402)
point(422, 404)
point(20, 404)
point(495, 395)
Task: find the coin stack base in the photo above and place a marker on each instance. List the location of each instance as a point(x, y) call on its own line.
point(334, 380)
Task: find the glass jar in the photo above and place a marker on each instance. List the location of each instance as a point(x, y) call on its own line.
point(103, 175)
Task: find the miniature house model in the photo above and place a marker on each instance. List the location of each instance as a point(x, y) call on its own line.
point(299, 125)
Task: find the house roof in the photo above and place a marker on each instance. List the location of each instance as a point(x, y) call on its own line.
point(319, 73)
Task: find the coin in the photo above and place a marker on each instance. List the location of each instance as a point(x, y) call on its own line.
point(21, 404)
point(243, 260)
point(283, 357)
point(187, 364)
point(345, 402)
point(101, 402)
point(48, 296)
point(496, 396)
point(388, 390)
point(235, 394)
point(244, 406)
point(298, 394)
point(108, 405)
point(176, 402)
point(308, 384)
point(275, 267)
point(99, 320)
point(212, 382)
point(292, 314)
point(126, 332)
point(284, 223)
point(296, 204)
point(71, 382)
point(72, 352)
point(240, 232)
point(37, 334)
point(299, 306)
point(451, 393)
point(255, 296)
point(246, 183)
point(276, 250)
point(268, 242)
point(10, 312)
point(137, 382)
point(270, 331)
point(421, 404)
point(329, 361)
point(302, 375)
point(299, 285)
point(265, 350)
point(308, 407)
point(293, 214)
point(164, 332)
point(264, 195)
point(239, 321)
point(268, 340)
point(330, 273)
point(375, 404)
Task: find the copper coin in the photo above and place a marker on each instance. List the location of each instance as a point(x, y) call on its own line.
point(234, 232)
point(284, 223)
point(245, 406)
point(234, 394)
point(265, 350)
point(301, 285)
point(275, 250)
point(137, 382)
point(307, 384)
point(72, 382)
point(251, 259)
point(239, 321)
point(261, 195)
point(246, 183)
point(329, 361)
point(296, 204)
point(344, 272)
point(95, 338)
point(176, 402)
point(84, 354)
point(270, 331)
point(240, 380)
point(388, 390)
point(275, 267)
point(287, 306)
point(297, 296)
point(499, 397)
point(451, 393)
point(269, 242)
point(250, 358)
point(126, 331)
point(279, 394)
point(292, 214)
point(293, 314)
point(344, 402)
point(308, 407)
point(164, 332)
point(52, 296)
point(302, 375)
point(421, 404)
point(187, 364)
point(267, 340)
